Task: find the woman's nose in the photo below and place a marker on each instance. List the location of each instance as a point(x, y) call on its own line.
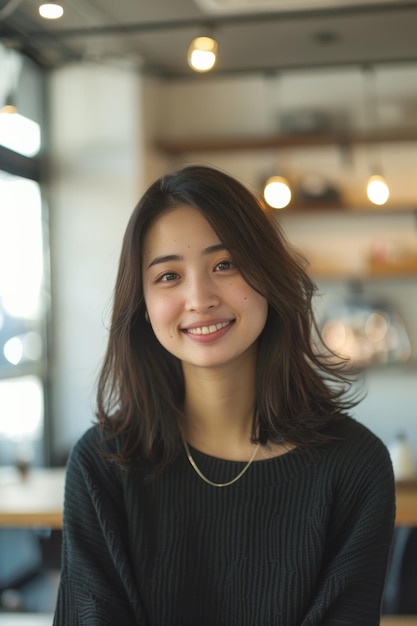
point(201, 295)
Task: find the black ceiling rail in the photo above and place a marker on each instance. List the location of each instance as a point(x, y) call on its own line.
point(213, 21)
point(14, 31)
point(275, 70)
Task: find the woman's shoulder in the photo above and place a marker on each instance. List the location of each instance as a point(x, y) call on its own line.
point(88, 444)
point(94, 449)
point(98, 439)
point(90, 437)
point(351, 432)
point(356, 449)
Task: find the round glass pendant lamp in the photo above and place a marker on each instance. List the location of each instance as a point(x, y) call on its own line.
point(277, 192)
point(202, 54)
point(377, 190)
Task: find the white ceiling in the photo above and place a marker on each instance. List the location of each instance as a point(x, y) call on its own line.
point(253, 35)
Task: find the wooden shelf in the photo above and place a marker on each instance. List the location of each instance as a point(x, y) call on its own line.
point(293, 140)
point(317, 207)
point(347, 277)
point(396, 267)
point(404, 269)
point(329, 272)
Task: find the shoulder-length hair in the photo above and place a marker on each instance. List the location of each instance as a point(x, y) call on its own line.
point(299, 389)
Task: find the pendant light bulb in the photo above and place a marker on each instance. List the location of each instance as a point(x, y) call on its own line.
point(377, 190)
point(9, 107)
point(202, 54)
point(51, 10)
point(277, 192)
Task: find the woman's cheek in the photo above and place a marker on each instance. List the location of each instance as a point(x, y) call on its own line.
point(162, 315)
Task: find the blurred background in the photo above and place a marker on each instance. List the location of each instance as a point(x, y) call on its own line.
point(320, 96)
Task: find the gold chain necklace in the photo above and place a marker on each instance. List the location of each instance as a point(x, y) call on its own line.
point(210, 482)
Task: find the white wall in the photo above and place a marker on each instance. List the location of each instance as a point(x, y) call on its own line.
point(98, 170)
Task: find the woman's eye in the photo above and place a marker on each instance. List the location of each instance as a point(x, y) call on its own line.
point(224, 265)
point(168, 277)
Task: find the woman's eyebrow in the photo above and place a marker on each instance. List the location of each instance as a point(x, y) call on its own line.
point(216, 248)
point(177, 257)
point(164, 259)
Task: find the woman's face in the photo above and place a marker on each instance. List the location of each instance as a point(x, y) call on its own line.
point(200, 307)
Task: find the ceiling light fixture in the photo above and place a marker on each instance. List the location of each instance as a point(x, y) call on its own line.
point(277, 192)
point(51, 10)
point(202, 54)
point(9, 106)
point(377, 188)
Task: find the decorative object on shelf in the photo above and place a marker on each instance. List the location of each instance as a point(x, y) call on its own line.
point(366, 332)
point(305, 121)
point(402, 458)
point(390, 258)
point(316, 190)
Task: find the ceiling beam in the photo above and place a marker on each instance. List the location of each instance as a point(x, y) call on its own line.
point(212, 21)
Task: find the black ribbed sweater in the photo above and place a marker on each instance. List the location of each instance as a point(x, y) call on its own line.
point(300, 540)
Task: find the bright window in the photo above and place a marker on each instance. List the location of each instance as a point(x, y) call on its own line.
point(22, 317)
point(21, 409)
point(21, 256)
point(20, 134)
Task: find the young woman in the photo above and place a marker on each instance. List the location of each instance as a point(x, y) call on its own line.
point(225, 483)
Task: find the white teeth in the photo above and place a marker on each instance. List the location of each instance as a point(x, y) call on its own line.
point(207, 330)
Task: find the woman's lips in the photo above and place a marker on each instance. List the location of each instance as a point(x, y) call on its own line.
point(208, 332)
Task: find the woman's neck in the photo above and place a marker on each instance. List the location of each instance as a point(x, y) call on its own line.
point(219, 409)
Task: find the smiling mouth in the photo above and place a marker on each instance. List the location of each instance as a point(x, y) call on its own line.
point(207, 330)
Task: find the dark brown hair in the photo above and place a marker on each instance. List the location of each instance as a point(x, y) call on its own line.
point(299, 389)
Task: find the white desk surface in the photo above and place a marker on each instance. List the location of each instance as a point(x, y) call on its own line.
point(36, 501)
point(25, 619)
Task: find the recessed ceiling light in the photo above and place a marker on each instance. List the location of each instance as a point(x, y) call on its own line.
point(51, 10)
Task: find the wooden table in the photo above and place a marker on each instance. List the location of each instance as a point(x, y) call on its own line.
point(38, 500)
point(32, 502)
point(406, 494)
point(399, 620)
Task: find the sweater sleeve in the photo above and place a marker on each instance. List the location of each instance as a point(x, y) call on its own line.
point(351, 585)
point(96, 587)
